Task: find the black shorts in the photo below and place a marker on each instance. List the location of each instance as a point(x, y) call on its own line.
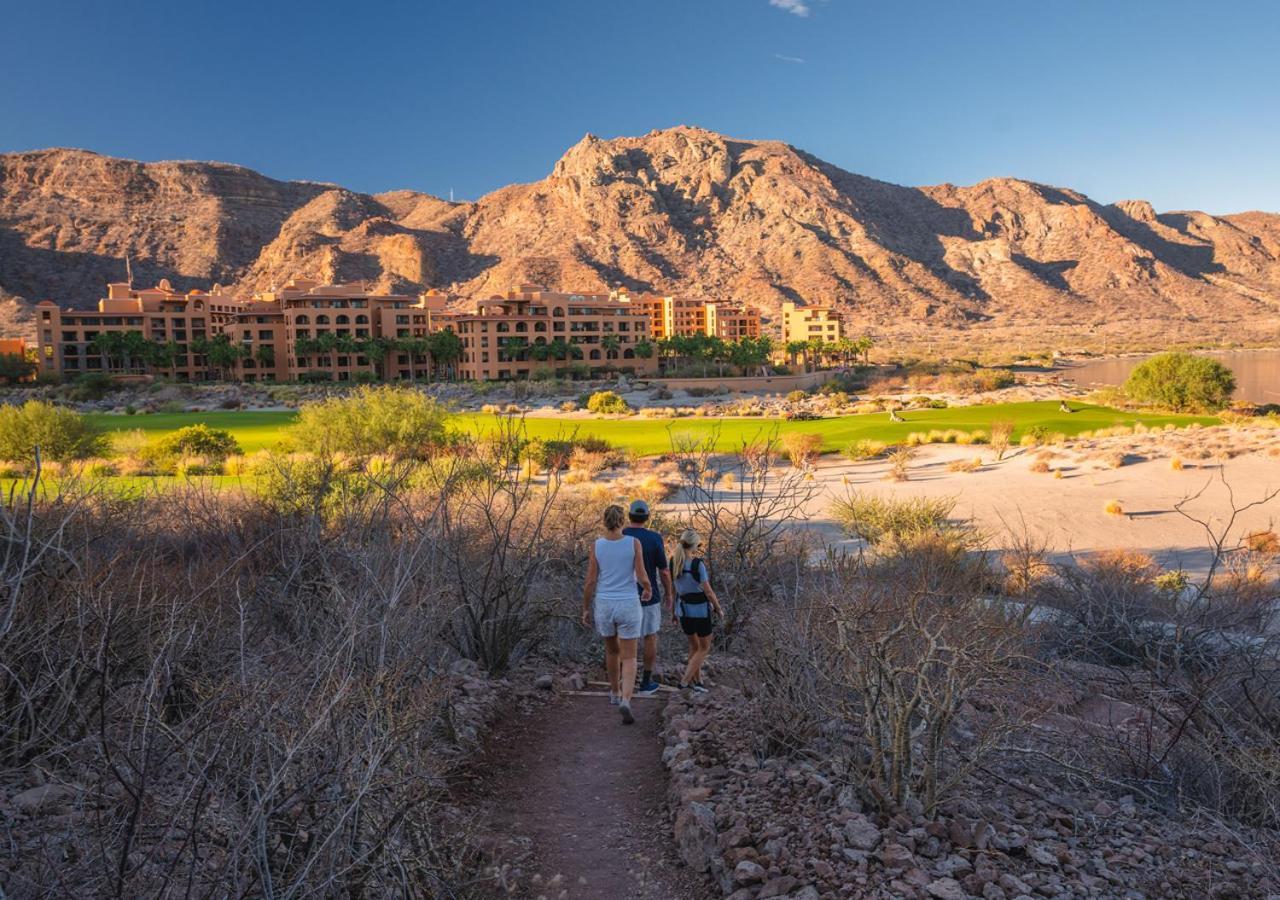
point(700, 626)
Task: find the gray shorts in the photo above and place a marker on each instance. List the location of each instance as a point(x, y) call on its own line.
point(618, 617)
point(651, 619)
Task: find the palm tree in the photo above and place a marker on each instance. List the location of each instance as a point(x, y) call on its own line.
point(798, 348)
point(134, 346)
point(611, 343)
point(108, 345)
point(326, 344)
point(266, 356)
point(644, 348)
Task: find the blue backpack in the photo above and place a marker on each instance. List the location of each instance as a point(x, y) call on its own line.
point(691, 602)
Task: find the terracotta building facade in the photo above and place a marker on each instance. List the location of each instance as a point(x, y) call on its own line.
point(530, 328)
point(674, 315)
point(807, 323)
point(301, 330)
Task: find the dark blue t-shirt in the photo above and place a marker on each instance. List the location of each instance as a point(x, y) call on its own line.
point(655, 557)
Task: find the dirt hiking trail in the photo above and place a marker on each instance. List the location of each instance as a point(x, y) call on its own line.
point(590, 793)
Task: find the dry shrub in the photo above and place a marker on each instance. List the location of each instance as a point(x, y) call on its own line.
point(754, 551)
point(907, 648)
point(1175, 463)
point(965, 465)
point(1113, 508)
point(1040, 467)
point(801, 448)
point(248, 699)
point(1001, 433)
point(1264, 542)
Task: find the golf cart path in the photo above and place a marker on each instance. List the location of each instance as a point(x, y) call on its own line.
point(590, 793)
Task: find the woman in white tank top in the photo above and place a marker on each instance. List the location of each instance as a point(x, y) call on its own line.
point(614, 569)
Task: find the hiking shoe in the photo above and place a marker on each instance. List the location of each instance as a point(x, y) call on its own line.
point(625, 709)
point(647, 688)
point(613, 699)
point(699, 688)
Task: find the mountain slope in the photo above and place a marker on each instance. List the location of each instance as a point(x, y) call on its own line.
point(680, 210)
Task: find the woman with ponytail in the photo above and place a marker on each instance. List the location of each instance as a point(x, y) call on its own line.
point(695, 603)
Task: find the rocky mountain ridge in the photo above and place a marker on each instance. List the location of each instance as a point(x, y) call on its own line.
point(681, 210)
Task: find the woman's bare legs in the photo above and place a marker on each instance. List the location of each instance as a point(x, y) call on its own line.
point(624, 667)
point(611, 659)
point(699, 647)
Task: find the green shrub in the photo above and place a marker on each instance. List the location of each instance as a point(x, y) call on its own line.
point(1181, 382)
point(195, 440)
point(797, 396)
point(401, 422)
point(605, 403)
point(364, 377)
point(876, 519)
point(61, 434)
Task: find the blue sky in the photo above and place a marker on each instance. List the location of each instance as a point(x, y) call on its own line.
point(1175, 102)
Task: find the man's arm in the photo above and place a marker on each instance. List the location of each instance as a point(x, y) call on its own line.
point(668, 590)
point(642, 577)
point(589, 588)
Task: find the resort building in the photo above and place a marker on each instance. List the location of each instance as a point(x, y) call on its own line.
point(807, 323)
point(302, 330)
point(510, 336)
point(671, 316)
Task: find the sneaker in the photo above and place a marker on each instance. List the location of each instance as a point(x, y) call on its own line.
point(625, 709)
point(647, 688)
point(699, 688)
point(613, 699)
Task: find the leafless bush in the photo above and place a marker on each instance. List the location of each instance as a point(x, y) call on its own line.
point(232, 696)
point(755, 551)
point(909, 645)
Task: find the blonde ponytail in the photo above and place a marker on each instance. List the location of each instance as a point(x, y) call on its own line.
point(689, 542)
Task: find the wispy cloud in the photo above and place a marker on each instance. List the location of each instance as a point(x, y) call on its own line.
point(795, 7)
point(787, 59)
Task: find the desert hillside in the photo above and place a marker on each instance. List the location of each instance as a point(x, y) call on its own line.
point(680, 210)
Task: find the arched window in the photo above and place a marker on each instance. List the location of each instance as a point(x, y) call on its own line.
point(558, 311)
point(303, 319)
point(628, 354)
point(362, 319)
point(539, 326)
point(342, 320)
point(595, 354)
point(322, 319)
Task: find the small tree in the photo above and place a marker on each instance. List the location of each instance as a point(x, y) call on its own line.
point(59, 434)
point(1181, 382)
point(383, 419)
point(196, 440)
point(607, 403)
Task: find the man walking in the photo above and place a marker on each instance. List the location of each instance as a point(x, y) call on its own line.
point(655, 564)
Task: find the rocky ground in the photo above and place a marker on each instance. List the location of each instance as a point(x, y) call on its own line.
point(797, 827)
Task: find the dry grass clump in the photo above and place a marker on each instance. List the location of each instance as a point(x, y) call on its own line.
point(1115, 459)
point(900, 459)
point(1001, 433)
point(1040, 467)
point(875, 519)
point(1113, 508)
point(864, 449)
point(1265, 542)
point(965, 465)
point(1176, 464)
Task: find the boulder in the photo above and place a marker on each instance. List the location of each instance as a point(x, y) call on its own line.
point(695, 834)
point(861, 833)
point(748, 872)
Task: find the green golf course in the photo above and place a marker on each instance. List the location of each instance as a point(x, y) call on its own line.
point(264, 430)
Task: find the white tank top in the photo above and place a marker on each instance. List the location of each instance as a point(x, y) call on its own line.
point(617, 562)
